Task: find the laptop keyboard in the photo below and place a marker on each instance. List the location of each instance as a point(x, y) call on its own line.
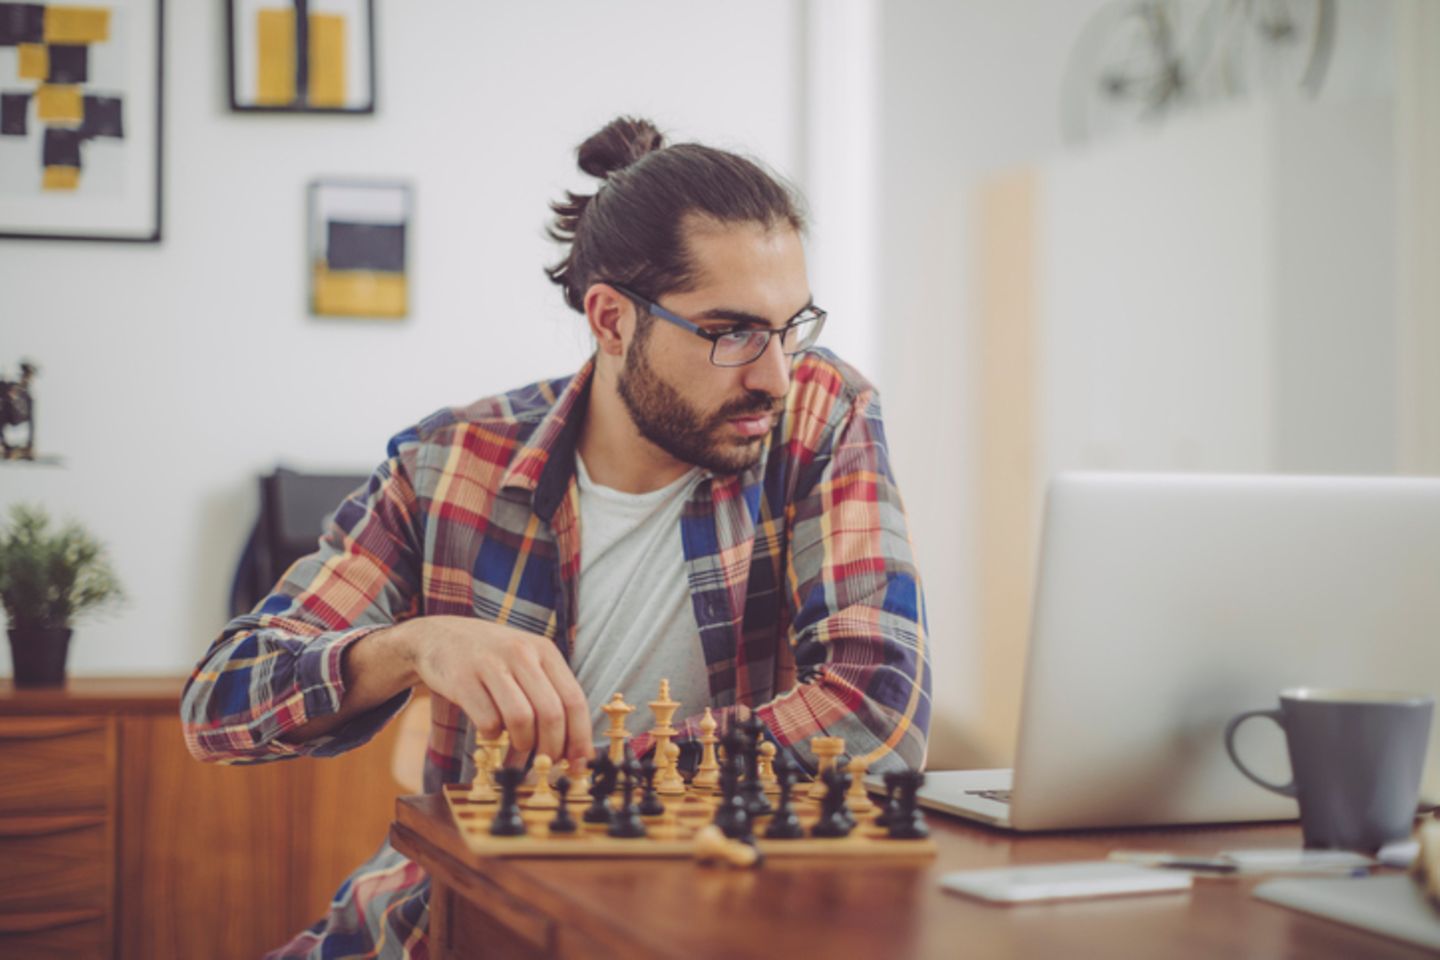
point(999, 796)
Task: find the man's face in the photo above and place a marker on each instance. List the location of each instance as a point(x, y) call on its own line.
point(717, 417)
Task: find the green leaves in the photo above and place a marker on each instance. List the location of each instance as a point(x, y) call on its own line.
point(47, 580)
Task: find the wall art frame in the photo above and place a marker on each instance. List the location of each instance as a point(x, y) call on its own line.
point(82, 120)
point(301, 56)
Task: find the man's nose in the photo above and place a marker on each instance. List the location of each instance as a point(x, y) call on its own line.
point(770, 373)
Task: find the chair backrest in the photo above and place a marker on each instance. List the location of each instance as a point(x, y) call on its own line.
point(293, 508)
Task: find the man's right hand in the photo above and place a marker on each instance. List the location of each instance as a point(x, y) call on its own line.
point(502, 677)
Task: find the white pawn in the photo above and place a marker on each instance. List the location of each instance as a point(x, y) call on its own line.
point(543, 798)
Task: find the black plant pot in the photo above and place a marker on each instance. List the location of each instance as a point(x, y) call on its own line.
point(38, 654)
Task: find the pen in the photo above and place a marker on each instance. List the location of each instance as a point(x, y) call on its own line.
point(1174, 862)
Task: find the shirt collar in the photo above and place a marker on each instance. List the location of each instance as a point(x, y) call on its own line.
point(545, 464)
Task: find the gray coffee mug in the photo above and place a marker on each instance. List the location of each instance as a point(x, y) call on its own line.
point(1356, 758)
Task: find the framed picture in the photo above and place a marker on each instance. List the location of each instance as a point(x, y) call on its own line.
point(302, 56)
point(80, 120)
point(358, 238)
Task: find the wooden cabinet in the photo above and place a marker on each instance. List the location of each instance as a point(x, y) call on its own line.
point(116, 844)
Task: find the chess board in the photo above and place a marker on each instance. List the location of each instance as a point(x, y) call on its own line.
point(671, 834)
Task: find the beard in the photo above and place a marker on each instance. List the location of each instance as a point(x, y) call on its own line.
point(665, 418)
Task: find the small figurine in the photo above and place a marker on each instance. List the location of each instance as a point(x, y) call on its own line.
point(17, 409)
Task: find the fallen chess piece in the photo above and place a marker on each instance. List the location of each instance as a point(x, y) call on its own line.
point(713, 847)
point(1426, 869)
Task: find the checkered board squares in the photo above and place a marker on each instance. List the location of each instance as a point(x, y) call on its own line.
point(301, 55)
point(358, 249)
point(51, 54)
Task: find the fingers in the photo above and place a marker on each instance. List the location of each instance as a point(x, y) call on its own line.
point(579, 734)
point(547, 716)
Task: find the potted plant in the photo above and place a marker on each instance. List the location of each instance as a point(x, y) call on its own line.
point(47, 580)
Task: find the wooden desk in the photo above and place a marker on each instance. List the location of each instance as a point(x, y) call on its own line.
point(816, 910)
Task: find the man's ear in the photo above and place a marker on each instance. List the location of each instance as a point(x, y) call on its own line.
point(611, 316)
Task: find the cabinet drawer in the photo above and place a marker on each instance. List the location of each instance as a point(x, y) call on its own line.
point(55, 863)
point(56, 764)
point(54, 936)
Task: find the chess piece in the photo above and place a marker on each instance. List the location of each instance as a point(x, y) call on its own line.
point(732, 816)
point(663, 708)
point(543, 798)
point(650, 805)
point(827, 750)
point(508, 822)
point(858, 801)
point(602, 784)
point(907, 822)
point(671, 783)
point(835, 820)
point(707, 775)
point(580, 781)
point(563, 822)
point(785, 825)
point(617, 710)
point(712, 846)
point(482, 788)
point(767, 768)
point(626, 823)
point(888, 808)
point(752, 789)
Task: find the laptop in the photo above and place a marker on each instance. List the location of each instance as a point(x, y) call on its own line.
point(1165, 604)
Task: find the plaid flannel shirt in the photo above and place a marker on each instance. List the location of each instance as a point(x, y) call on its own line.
point(802, 580)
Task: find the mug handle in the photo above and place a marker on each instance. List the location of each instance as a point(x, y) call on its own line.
point(1285, 790)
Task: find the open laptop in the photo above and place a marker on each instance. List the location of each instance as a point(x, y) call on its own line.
point(1166, 604)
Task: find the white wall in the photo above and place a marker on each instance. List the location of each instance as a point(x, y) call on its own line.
point(173, 375)
point(967, 89)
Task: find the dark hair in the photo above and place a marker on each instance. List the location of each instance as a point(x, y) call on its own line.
point(629, 230)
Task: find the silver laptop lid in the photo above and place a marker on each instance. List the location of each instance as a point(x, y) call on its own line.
point(1165, 604)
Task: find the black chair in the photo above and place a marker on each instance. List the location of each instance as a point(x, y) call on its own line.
point(293, 508)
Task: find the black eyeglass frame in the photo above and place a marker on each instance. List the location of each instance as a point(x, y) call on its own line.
point(810, 314)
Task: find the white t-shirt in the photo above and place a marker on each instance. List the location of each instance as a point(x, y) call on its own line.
point(636, 623)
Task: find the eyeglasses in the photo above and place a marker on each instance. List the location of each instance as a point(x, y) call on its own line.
point(736, 348)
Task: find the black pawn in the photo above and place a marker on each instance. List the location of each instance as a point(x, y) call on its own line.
point(785, 825)
point(835, 820)
point(888, 808)
point(626, 823)
point(732, 816)
point(508, 822)
point(751, 789)
point(602, 783)
point(650, 805)
point(907, 823)
point(563, 822)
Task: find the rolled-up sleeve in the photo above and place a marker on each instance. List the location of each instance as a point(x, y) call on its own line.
point(858, 627)
point(280, 666)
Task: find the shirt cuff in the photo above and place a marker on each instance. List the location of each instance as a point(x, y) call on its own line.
point(321, 678)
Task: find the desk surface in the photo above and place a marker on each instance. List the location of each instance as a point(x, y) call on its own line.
point(824, 910)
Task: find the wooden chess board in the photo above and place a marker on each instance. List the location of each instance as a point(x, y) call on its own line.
point(671, 834)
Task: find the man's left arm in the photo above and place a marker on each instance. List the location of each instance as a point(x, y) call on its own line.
point(857, 613)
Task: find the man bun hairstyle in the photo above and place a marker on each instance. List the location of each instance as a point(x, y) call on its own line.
point(630, 230)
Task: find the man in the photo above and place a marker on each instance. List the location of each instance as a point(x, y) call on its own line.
point(707, 500)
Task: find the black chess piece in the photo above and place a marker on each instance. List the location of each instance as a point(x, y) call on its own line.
point(887, 809)
point(602, 784)
point(563, 822)
point(907, 822)
point(508, 822)
point(732, 816)
point(785, 825)
point(626, 823)
point(835, 820)
point(650, 804)
point(752, 790)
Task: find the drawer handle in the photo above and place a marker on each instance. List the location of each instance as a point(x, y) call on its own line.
point(48, 826)
point(36, 922)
